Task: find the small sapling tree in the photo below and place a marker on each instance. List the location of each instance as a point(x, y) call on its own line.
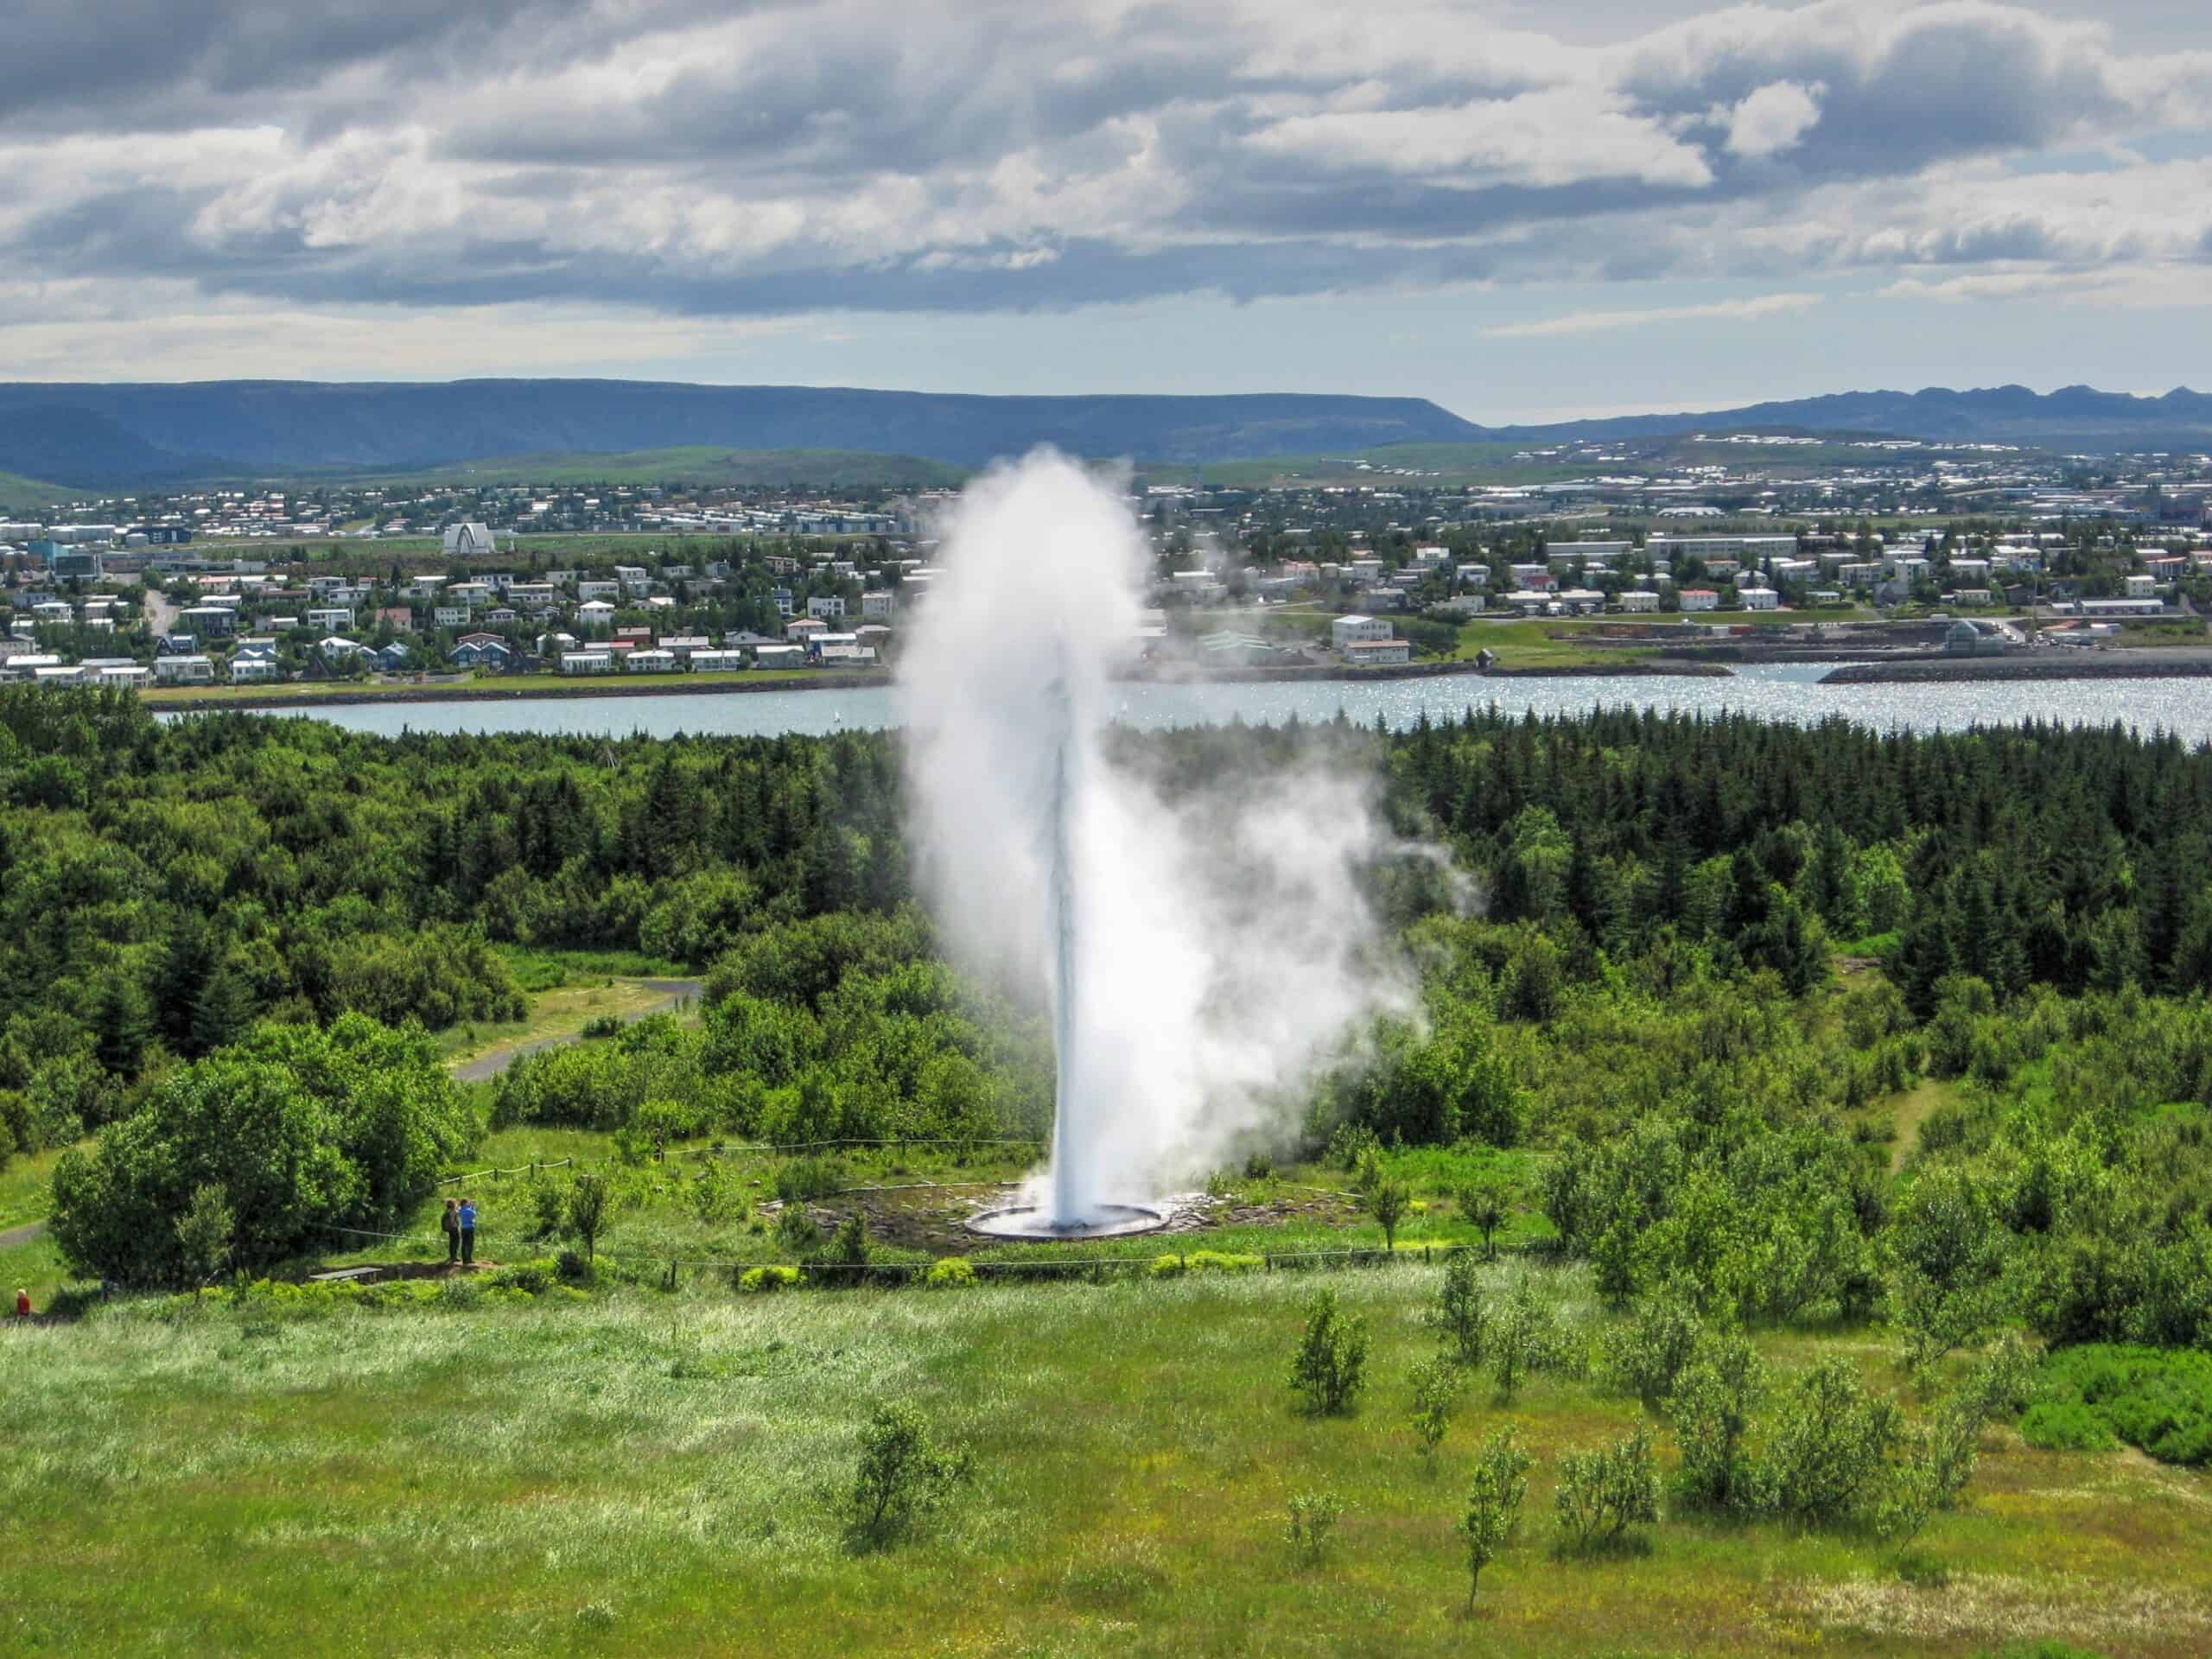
point(903, 1475)
point(1435, 1390)
point(1314, 1516)
point(1483, 1207)
point(586, 1211)
point(1458, 1317)
point(1494, 1497)
point(1388, 1201)
point(1330, 1367)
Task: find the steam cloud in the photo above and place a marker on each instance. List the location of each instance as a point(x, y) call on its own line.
point(1219, 943)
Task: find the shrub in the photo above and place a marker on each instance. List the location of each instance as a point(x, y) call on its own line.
point(1832, 1445)
point(1330, 1366)
point(2067, 1426)
point(1709, 1409)
point(302, 1130)
point(1494, 1499)
point(715, 1196)
point(531, 1278)
point(1524, 1337)
point(204, 1232)
point(949, 1272)
point(1314, 1516)
point(795, 1229)
point(549, 1206)
point(803, 1179)
point(849, 1251)
point(762, 1281)
point(1645, 1356)
point(1222, 1262)
point(902, 1477)
point(2157, 1400)
point(1349, 1144)
point(1602, 1494)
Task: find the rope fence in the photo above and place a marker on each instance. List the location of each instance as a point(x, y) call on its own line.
point(724, 1149)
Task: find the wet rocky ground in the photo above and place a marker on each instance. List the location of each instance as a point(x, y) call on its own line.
point(934, 1218)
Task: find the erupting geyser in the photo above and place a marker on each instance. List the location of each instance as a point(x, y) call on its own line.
point(1197, 947)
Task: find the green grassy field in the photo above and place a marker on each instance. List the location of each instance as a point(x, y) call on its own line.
point(527, 685)
point(1568, 642)
point(642, 1472)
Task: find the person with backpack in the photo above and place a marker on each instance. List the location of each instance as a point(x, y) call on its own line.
point(466, 1217)
point(451, 1222)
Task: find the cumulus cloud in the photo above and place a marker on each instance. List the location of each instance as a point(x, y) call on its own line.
point(1774, 118)
point(734, 159)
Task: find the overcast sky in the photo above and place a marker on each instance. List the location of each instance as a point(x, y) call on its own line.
point(1523, 211)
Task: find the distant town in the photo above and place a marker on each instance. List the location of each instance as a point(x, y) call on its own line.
point(1377, 568)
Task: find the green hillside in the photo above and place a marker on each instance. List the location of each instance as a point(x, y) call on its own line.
point(702, 464)
point(19, 494)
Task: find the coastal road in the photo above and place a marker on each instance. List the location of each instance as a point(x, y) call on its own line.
point(668, 993)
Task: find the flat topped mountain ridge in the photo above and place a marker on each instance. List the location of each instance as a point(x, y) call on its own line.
point(97, 435)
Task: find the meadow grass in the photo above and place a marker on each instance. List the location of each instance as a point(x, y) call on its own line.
point(27, 1185)
point(646, 1473)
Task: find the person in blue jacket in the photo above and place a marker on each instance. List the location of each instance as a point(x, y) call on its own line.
point(467, 1231)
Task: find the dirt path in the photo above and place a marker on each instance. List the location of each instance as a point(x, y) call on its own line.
point(669, 993)
point(22, 1235)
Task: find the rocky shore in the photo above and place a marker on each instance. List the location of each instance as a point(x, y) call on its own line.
point(2148, 663)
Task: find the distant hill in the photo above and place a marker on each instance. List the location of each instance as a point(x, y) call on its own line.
point(2072, 418)
point(74, 445)
point(114, 436)
point(705, 464)
point(270, 427)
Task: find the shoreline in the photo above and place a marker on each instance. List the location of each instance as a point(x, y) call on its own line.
point(555, 687)
point(2146, 662)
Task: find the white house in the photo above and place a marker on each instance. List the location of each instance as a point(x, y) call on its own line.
point(194, 670)
point(1376, 653)
point(875, 605)
point(824, 607)
point(780, 656)
point(1347, 630)
point(1701, 599)
point(1759, 599)
point(586, 662)
point(650, 662)
point(1637, 600)
point(337, 619)
point(253, 671)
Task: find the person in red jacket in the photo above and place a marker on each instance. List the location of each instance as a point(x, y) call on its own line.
point(23, 1304)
